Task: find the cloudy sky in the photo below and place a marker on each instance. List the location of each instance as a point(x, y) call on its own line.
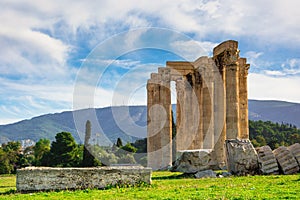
point(61, 55)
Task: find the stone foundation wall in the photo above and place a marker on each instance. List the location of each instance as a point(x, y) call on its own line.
point(44, 178)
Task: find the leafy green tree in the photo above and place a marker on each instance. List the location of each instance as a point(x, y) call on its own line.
point(129, 148)
point(273, 134)
point(140, 145)
point(63, 150)
point(5, 166)
point(41, 148)
point(125, 154)
point(10, 154)
point(295, 138)
point(27, 158)
point(106, 157)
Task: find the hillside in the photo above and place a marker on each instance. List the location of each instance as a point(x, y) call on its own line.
point(115, 122)
point(275, 111)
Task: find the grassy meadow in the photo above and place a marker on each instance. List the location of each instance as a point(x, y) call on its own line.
point(168, 185)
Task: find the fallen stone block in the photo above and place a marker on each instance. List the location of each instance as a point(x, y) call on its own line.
point(192, 161)
point(46, 178)
point(241, 157)
point(206, 174)
point(267, 161)
point(286, 161)
point(295, 150)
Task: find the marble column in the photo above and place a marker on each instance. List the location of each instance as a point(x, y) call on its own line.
point(153, 123)
point(219, 116)
point(197, 110)
point(159, 143)
point(179, 117)
point(232, 100)
point(208, 108)
point(243, 95)
point(166, 132)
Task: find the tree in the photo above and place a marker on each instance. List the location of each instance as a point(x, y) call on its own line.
point(5, 166)
point(273, 134)
point(129, 148)
point(119, 142)
point(41, 148)
point(88, 159)
point(10, 154)
point(106, 157)
point(141, 145)
point(126, 150)
point(27, 158)
point(63, 150)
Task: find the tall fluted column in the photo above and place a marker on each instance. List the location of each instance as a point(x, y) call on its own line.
point(180, 134)
point(219, 115)
point(166, 132)
point(226, 56)
point(208, 108)
point(197, 109)
point(159, 143)
point(243, 94)
point(232, 100)
point(153, 123)
point(188, 122)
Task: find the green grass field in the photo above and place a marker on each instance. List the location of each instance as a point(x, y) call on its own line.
point(167, 185)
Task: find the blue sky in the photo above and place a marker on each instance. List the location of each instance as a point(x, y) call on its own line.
point(64, 55)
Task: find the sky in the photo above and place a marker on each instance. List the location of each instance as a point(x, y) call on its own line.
point(66, 55)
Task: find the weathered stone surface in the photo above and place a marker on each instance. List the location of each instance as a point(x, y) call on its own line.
point(267, 161)
point(192, 161)
point(287, 162)
point(241, 157)
point(295, 150)
point(206, 174)
point(46, 178)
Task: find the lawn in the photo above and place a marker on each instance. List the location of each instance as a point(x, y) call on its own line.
point(168, 185)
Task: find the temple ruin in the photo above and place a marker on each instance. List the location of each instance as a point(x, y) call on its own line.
point(212, 105)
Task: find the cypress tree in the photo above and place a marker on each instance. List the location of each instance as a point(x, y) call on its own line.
point(119, 142)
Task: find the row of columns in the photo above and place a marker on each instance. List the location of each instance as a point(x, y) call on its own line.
point(212, 105)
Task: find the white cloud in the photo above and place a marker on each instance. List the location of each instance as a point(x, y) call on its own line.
point(273, 88)
point(39, 40)
point(274, 73)
point(291, 66)
point(191, 49)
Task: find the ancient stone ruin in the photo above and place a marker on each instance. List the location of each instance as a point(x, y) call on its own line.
point(46, 178)
point(212, 106)
point(211, 119)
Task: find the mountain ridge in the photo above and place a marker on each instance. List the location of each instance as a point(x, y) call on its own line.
point(127, 122)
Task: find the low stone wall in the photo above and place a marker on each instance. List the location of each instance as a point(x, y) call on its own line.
point(45, 178)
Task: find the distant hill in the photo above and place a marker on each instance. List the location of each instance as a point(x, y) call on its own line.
point(105, 129)
point(128, 123)
point(275, 111)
